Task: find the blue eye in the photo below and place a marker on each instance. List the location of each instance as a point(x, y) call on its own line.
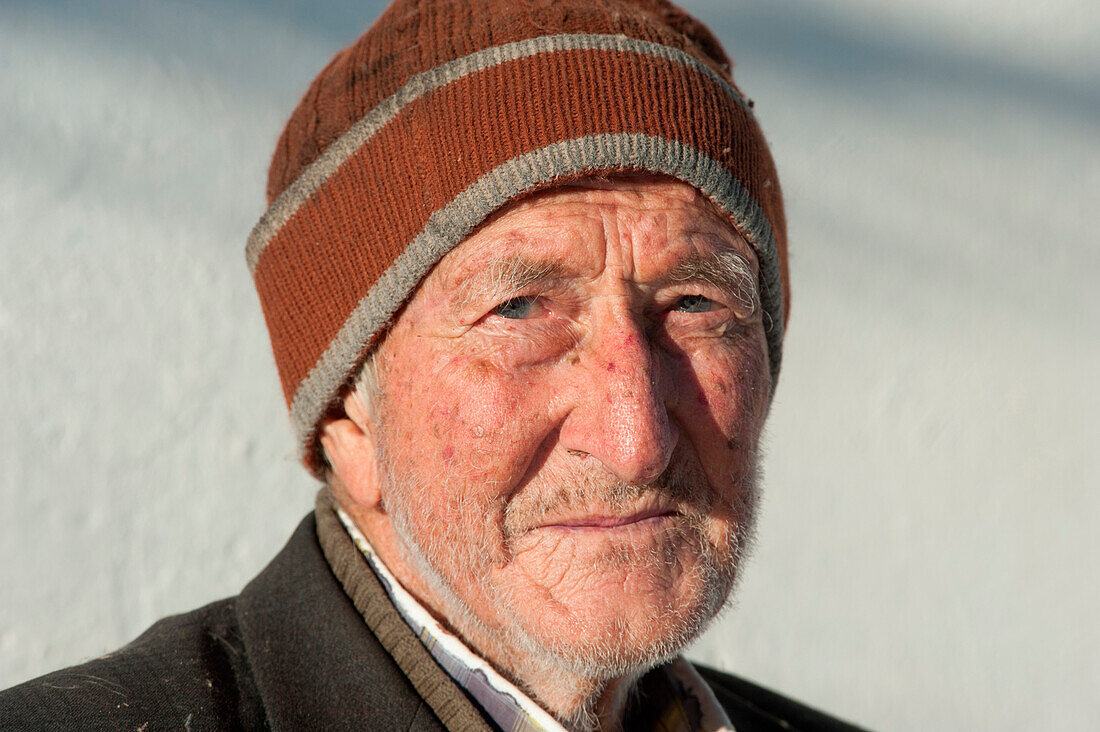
point(694, 304)
point(516, 309)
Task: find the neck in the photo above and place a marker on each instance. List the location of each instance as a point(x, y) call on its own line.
point(580, 702)
point(584, 706)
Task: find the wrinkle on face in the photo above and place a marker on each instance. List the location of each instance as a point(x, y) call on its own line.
point(497, 435)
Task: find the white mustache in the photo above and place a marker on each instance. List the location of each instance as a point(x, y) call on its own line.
point(569, 492)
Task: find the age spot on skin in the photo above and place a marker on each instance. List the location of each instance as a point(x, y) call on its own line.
point(510, 402)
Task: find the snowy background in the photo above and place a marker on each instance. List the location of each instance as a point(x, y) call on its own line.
point(928, 553)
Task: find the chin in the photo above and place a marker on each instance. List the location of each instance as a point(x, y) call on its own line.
point(599, 636)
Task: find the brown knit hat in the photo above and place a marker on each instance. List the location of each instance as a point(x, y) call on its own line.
point(444, 111)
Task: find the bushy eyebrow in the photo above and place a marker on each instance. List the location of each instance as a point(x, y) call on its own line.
point(504, 277)
point(724, 269)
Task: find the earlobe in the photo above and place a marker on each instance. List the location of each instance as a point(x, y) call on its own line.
point(350, 446)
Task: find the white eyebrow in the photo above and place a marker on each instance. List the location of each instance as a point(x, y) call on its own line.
point(725, 269)
point(504, 277)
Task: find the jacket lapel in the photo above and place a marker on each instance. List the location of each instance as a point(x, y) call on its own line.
point(316, 664)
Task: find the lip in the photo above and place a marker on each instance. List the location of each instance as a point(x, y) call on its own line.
point(603, 523)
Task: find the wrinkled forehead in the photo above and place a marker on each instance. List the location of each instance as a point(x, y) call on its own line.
point(627, 189)
point(666, 219)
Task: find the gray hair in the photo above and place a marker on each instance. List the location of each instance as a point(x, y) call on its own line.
point(368, 386)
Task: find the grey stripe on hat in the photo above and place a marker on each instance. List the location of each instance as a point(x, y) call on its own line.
point(314, 176)
point(448, 226)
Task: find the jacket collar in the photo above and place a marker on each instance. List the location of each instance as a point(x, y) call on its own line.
point(316, 665)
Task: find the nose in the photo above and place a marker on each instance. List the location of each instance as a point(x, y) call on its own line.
point(619, 416)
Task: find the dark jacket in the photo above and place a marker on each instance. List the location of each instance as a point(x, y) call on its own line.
point(292, 652)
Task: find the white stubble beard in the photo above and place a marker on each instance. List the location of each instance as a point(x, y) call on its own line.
point(597, 661)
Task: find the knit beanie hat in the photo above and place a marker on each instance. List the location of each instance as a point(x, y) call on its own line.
point(444, 111)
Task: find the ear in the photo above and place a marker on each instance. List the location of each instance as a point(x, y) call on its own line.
point(349, 443)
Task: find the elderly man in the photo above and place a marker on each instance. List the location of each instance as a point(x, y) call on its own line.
point(524, 271)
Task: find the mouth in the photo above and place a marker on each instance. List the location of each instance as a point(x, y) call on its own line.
point(601, 523)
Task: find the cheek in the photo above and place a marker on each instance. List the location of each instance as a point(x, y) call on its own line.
point(475, 422)
point(722, 398)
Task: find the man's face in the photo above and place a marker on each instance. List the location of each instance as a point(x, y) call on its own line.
point(570, 410)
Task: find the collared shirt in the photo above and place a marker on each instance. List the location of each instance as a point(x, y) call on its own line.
point(676, 695)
